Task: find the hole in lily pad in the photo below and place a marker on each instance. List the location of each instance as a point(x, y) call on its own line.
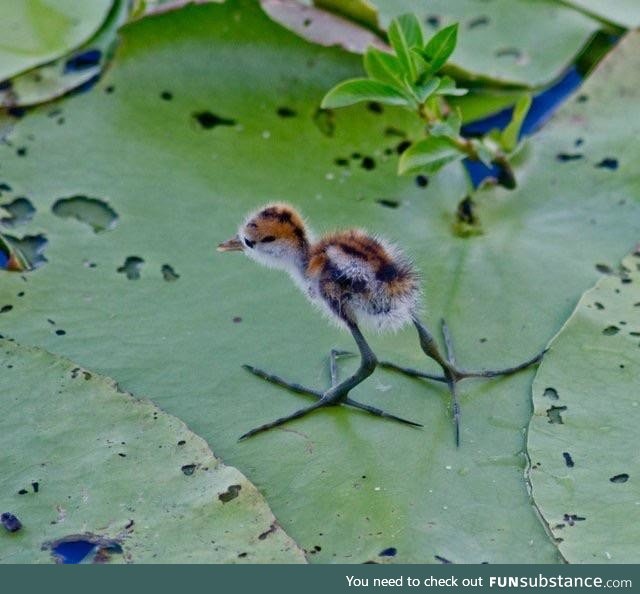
point(604, 268)
point(31, 247)
point(478, 22)
point(620, 478)
point(166, 95)
point(169, 274)
point(422, 181)
point(20, 211)
point(76, 548)
point(188, 469)
point(608, 163)
point(375, 107)
point(324, 120)
point(433, 20)
point(564, 157)
point(93, 211)
point(209, 120)
point(551, 393)
point(388, 203)
point(568, 460)
point(268, 531)
point(368, 163)
point(508, 52)
point(390, 552)
point(571, 519)
point(392, 131)
point(611, 330)
point(286, 112)
point(10, 522)
point(131, 267)
point(230, 494)
point(555, 416)
point(402, 146)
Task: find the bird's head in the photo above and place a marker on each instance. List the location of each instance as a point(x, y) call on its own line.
point(274, 236)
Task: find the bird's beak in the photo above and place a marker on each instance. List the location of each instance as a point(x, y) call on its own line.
point(231, 245)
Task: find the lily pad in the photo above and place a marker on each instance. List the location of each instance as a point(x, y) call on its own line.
point(625, 13)
point(584, 474)
point(37, 31)
point(100, 467)
point(346, 486)
point(323, 27)
point(69, 72)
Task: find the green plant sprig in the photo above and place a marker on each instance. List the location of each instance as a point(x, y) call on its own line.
point(411, 78)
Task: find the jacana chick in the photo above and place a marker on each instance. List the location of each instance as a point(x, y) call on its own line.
point(358, 280)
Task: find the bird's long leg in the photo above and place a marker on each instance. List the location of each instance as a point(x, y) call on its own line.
point(300, 389)
point(333, 371)
point(430, 348)
point(410, 371)
point(452, 373)
point(451, 380)
point(337, 394)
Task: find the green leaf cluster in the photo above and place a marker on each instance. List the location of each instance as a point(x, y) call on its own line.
point(409, 77)
point(406, 77)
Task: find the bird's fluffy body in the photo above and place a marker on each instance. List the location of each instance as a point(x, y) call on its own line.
point(348, 274)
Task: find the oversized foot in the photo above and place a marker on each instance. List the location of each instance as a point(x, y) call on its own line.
point(461, 374)
point(452, 374)
point(331, 397)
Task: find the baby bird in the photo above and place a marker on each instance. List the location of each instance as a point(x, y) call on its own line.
point(357, 280)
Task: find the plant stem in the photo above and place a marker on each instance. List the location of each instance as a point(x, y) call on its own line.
point(462, 144)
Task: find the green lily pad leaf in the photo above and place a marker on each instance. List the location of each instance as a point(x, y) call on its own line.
point(625, 13)
point(101, 467)
point(321, 26)
point(343, 484)
point(60, 76)
point(584, 477)
point(34, 32)
point(143, 8)
point(357, 90)
point(360, 11)
point(492, 42)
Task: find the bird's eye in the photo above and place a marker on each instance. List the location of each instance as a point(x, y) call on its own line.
point(268, 239)
point(249, 243)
